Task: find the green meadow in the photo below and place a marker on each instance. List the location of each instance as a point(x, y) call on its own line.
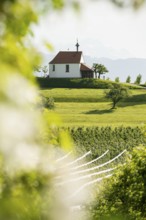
point(89, 107)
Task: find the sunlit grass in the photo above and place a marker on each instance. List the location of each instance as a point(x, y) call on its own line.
point(88, 95)
point(100, 114)
point(88, 107)
point(75, 95)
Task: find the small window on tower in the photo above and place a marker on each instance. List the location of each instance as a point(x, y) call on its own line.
point(53, 67)
point(67, 68)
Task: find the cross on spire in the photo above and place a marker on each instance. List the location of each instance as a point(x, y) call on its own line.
point(77, 46)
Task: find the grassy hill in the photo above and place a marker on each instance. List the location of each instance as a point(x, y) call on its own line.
point(88, 107)
point(88, 117)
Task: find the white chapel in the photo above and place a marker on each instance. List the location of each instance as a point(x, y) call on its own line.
point(70, 64)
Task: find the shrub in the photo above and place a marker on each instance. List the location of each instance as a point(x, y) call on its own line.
point(124, 195)
point(48, 102)
point(79, 83)
point(74, 83)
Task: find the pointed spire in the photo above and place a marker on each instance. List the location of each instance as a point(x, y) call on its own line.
point(77, 45)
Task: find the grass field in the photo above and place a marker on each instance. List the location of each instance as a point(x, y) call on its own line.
point(89, 95)
point(88, 107)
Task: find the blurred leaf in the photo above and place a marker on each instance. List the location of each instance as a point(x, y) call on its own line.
point(49, 46)
point(65, 141)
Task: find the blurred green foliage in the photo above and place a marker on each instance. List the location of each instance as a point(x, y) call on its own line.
point(23, 196)
point(136, 4)
point(47, 102)
point(124, 195)
point(26, 133)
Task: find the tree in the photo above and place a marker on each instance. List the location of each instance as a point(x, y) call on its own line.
point(37, 69)
point(138, 79)
point(128, 80)
point(133, 3)
point(45, 70)
point(41, 69)
point(117, 79)
point(124, 195)
point(117, 93)
point(47, 102)
point(100, 69)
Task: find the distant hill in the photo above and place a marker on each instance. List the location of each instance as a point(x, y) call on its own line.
point(121, 67)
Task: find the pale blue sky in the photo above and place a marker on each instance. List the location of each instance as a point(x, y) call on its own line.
point(102, 30)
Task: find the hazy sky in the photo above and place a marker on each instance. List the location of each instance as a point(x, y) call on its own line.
point(102, 29)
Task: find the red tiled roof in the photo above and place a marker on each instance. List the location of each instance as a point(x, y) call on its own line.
point(85, 68)
point(67, 57)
